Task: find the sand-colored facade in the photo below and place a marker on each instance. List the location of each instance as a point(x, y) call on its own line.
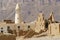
point(38, 25)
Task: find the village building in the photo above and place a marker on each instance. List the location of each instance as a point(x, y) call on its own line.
point(21, 28)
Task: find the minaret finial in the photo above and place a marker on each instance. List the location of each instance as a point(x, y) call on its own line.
point(17, 6)
point(51, 17)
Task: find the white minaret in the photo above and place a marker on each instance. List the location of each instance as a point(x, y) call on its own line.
point(17, 14)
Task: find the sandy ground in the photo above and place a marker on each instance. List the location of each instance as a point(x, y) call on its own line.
point(40, 38)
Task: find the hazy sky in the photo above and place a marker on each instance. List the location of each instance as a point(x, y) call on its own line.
point(29, 9)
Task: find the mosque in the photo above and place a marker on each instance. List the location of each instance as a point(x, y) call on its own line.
point(40, 25)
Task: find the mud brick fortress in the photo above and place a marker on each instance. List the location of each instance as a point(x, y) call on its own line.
point(40, 25)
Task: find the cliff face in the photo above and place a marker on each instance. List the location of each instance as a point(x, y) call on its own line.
point(29, 9)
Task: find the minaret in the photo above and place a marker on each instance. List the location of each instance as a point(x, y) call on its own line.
point(51, 18)
point(17, 14)
point(40, 17)
point(40, 24)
